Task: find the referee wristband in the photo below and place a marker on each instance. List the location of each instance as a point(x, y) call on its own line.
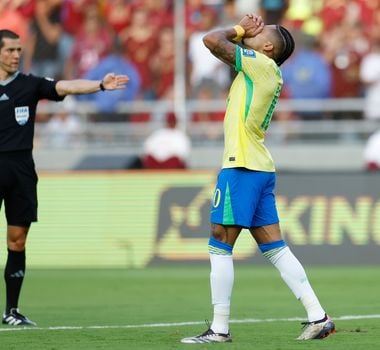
point(240, 31)
point(101, 85)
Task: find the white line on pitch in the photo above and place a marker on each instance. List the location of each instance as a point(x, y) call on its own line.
point(177, 324)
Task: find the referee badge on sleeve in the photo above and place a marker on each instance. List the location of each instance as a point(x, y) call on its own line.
point(22, 115)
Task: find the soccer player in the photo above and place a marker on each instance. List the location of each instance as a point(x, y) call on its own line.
point(244, 195)
point(19, 95)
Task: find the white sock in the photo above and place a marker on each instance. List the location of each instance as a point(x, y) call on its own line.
point(221, 280)
point(295, 277)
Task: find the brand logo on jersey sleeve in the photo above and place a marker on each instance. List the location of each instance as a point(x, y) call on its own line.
point(22, 115)
point(249, 53)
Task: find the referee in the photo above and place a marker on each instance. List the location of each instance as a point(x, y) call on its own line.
point(19, 95)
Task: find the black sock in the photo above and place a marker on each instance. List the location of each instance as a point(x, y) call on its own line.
point(14, 276)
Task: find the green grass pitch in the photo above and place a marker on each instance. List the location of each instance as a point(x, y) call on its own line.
point(154, 308)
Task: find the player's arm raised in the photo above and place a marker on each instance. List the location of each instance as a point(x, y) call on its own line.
point(222, 42)
point(221, 45)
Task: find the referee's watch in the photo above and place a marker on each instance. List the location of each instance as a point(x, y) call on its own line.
point(101, 85)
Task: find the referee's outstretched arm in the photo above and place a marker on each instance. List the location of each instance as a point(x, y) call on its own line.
point(111, 81)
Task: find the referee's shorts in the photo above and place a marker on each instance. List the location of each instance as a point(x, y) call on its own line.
point(18, 187)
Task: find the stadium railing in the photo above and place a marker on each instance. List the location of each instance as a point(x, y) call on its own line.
point(327, 120)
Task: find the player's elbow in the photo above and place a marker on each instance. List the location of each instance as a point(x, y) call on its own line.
point(209, 40)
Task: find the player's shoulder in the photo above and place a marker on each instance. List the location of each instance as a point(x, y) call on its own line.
point(266, 61)
point(259, 60)
point(256, 57)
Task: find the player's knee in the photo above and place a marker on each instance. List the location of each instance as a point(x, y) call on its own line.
point(218, 233)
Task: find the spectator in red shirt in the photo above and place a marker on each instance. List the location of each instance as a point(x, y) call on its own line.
point(118, 14)
point(12, 18)
point(162, 65)
point(140, 44)
point(160, 12)
point(333, 12)
point(72, 14)
point(92, 42)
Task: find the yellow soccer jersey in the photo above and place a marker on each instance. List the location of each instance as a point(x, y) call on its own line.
point(250, 104)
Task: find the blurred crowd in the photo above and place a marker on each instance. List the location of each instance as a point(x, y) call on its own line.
point(338, 46)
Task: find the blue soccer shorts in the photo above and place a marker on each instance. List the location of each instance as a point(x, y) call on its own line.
point(244, 198)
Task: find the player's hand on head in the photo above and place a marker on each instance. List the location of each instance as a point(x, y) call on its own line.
point(252, 24)
point(111, 81)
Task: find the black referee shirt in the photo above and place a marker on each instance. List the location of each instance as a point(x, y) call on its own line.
point(19, 96)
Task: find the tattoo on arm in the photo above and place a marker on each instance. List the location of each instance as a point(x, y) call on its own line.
point(221, 46)
point(225, 51)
